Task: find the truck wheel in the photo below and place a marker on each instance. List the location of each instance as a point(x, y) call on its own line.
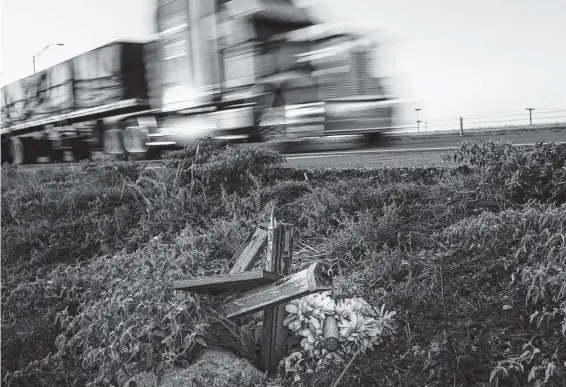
point(18, 151)
point(135, 144)
point(80, 150)
point(57, 155)
point(6, 154)
point(113, 141)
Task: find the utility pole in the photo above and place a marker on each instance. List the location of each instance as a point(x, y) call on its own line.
point(530, 115)
point(34, 58)
point(418, 120)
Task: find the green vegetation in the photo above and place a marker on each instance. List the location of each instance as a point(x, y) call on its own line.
point(472, 260)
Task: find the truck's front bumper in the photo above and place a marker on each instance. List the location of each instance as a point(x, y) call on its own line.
point(318, 119)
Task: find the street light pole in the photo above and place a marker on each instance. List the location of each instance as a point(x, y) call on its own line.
point(418, 121)
point(530, 115)
point(34, 58)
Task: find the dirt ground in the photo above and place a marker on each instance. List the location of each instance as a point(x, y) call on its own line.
point(213, 368)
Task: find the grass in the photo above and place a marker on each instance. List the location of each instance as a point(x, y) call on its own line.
point(471, 258)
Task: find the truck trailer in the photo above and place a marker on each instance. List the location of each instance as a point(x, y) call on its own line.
point(251, 70)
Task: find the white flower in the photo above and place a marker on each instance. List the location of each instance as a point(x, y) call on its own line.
point(360, 326)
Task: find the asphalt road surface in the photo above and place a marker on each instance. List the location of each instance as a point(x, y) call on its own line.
point(365, 159)
point(408, 151)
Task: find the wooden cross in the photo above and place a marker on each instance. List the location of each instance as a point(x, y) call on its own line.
point(266, 289)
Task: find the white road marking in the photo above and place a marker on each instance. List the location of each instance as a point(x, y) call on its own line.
point(350, 153)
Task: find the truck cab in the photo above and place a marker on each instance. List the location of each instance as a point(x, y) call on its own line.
point(262, 70)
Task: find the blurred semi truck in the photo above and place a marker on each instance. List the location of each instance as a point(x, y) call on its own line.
point(252, 70)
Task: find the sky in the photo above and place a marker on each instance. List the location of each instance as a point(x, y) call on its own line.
point(454, 58)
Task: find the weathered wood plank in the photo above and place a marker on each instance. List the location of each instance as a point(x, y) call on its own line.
point(279, 260)
point(239, 281)
point(250, 251)
point(311, 280)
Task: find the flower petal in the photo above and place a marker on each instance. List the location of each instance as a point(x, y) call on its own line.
point(291, 308)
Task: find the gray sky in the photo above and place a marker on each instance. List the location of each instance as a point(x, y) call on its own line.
point(457, 57)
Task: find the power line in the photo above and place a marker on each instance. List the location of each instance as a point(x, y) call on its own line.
point(454, 123)
point(481, 116)
point(524, 118)
point(471, 118)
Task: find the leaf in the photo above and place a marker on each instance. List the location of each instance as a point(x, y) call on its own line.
point(493, 375)
point(314, 323)
point(288, 320)
point(354, 319)
point(258, 331)
point(174, 326)
point(549, 371)
point(201, 341)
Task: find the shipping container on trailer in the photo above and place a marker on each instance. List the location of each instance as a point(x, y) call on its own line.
point(39, 96)
point(66, 107)
point(106, 80)
point(111, 73)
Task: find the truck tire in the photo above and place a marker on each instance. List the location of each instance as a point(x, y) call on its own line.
point(113, 142)
point(80, 150)
point(57, 155)
point(6, 155)
point(135, 144)
point(19, 151)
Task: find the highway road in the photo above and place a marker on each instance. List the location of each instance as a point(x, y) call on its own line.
point(424, 140)
point(389, 151)
point(404, 151)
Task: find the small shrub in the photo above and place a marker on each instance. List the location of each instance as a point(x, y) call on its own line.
point(535, 174)
point(127, 317)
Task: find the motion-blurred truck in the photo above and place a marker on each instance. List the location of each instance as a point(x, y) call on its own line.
point(251, 70)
